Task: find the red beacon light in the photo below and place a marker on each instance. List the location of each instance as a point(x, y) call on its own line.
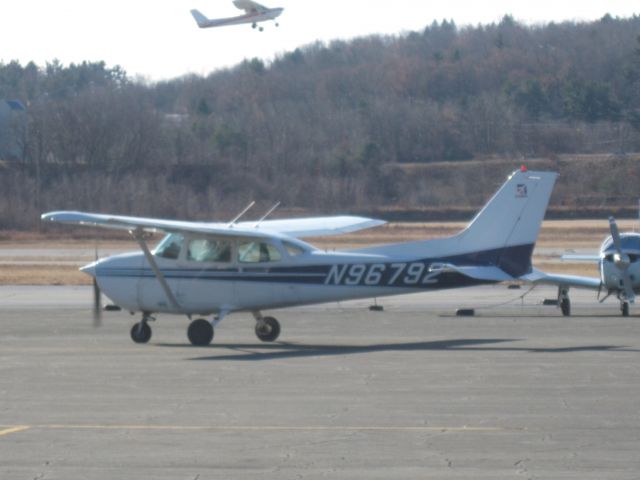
point(523, 168)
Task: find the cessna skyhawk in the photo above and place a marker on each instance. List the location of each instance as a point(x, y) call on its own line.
point(254, 13)
point(619, 265)
point(214, 269)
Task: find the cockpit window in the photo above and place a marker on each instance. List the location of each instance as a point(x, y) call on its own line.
point(257, 252)
point(209, 250)
point(170, 246)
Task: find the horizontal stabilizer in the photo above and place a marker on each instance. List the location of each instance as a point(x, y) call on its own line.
point(489, 273)
point(540, 277)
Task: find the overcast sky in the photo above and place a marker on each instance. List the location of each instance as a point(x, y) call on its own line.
point(158, 39)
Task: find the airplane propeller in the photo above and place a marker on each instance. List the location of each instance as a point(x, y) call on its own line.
point(622, 261)
point(97, 303)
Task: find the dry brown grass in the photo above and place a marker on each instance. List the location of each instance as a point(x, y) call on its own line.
point(34, 274)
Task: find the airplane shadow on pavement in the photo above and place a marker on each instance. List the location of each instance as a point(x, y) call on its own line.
point(280, 350)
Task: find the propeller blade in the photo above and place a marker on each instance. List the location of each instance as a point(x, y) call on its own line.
point(615, 235)
point(97, 297)
point(97, 305)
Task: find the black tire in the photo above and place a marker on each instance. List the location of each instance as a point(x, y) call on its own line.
point(565, 306)
point(200, 332)
point(141, 332)
point(625, 309)
point(268, 329)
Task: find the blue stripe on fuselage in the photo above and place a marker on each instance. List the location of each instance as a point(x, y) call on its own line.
point(515, 261)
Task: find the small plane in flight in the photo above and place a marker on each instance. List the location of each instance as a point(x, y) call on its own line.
point(619, 265)
point(254, 14)
point(214, 269)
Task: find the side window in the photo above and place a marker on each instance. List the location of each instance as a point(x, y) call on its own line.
point(293, 250)
point(209, 250)
point(170, 246)
point(257, 252)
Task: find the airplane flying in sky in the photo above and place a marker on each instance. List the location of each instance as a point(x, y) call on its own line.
point(254, 13)
point(619, 265)
point(202, 269)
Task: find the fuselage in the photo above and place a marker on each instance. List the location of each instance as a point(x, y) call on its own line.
point(253, 17)
point(263, 274)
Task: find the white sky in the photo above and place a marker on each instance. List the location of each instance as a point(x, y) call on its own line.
point(158, 39)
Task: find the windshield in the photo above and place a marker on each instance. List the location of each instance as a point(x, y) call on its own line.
point(170, 246)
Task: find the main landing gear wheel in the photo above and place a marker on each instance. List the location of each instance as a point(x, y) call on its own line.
point(624, 308)
point(563, 300)
point(141, 332)
point(268, 329)
point(200, 332)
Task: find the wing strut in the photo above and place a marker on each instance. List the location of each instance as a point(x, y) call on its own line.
point(266, 215)
point(139, 236)
point(232, 222)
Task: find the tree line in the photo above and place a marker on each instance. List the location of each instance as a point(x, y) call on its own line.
point(327, 127)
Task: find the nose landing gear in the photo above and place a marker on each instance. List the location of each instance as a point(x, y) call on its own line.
point(141, 331)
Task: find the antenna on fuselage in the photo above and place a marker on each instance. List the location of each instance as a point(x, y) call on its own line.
point(266, 215)
point(246, 209)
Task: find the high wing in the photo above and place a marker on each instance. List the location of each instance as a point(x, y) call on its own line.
point(299, 228)
point(249, 6)
point(540, 277)
point(313, 226)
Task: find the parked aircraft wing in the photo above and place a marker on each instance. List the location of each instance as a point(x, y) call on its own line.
point(304, 227)
point(315, 226)
point(540, 277)
point(249, 6)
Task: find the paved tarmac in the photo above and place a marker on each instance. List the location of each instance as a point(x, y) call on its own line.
point(518, 391)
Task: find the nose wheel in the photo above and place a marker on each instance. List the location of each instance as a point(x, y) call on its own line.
point(141, 331)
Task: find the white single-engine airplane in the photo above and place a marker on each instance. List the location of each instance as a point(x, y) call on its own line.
point(254, 13)
point(619, 271)
point(202, 269)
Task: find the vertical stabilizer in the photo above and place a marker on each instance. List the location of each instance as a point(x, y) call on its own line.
point(503, 234)
point(513, 215)
point(200, 19)
point(509, 223)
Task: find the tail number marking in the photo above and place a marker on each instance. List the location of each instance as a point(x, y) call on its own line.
point(381, 274)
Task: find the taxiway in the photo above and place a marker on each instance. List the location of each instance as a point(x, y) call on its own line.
point(517, 391)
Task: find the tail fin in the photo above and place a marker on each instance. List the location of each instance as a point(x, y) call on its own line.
point(510, 222)
point(514, 215)
point(200, 19)
point(501, 235)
